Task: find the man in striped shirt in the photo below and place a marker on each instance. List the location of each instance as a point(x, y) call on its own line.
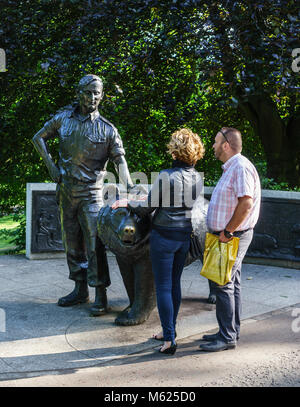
point(233, 211)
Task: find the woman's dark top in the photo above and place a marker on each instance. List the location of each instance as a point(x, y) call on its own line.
point(172, 196)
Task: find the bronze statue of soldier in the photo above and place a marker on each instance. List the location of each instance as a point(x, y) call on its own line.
point(86, 142)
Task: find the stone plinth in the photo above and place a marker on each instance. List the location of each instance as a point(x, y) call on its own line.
point(43, 230)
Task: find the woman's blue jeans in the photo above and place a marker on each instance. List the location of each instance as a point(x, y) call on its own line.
point(168, 258)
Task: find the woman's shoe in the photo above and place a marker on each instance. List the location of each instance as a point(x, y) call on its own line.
point(162, 339)
point(157, 339)
point(170, 350)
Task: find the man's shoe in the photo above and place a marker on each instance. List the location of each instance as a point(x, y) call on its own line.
point(100, 305)
point(217, 346)
point(211, 337)
point(79, 295)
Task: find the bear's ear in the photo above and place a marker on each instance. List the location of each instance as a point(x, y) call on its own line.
point(110, 194)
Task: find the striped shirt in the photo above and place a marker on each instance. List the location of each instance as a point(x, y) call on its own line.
point(239, 179)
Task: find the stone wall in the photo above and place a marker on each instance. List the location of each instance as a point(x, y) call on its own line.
point(276, 238)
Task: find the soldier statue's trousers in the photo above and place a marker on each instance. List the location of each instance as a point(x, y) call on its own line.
point(86, 254)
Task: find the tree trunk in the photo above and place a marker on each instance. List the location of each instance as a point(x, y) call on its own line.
point(281, 142)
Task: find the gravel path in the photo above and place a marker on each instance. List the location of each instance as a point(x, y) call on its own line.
point(268, 355)
point(282, 370)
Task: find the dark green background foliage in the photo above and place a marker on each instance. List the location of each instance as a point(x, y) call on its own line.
point(165, 64)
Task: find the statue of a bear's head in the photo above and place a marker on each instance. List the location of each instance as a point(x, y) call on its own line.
point(122, 231)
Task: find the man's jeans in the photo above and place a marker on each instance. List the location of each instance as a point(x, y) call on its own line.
point(229, 305)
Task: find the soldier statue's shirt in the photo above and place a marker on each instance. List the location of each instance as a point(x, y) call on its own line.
point(86, 145)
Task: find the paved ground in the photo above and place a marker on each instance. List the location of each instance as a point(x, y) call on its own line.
point(42, 344)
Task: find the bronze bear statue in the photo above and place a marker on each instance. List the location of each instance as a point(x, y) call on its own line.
point(127, 236)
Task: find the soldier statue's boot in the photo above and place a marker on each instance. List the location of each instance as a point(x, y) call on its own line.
point(100, 305)
point(79, 295)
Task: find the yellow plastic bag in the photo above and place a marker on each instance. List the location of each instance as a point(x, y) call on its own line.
point(219, 258)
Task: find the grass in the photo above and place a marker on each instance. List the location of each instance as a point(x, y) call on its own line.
point(7, 222)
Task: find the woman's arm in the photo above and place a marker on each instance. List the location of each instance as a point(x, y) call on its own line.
point(147, 203)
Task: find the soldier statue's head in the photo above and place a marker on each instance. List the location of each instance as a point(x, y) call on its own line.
point(89, 93)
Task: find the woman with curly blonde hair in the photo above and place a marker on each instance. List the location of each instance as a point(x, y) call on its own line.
point(172, 196)
point(186, 146)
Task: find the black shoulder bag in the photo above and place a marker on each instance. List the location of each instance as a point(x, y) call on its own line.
point(195, 247)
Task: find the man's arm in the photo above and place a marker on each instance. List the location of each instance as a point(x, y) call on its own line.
point(40, 145)
point(122, 169)
point(241, 212)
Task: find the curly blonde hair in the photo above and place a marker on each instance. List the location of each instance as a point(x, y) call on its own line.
point(186, 146)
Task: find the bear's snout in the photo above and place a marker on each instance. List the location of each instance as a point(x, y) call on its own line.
point(128, 234)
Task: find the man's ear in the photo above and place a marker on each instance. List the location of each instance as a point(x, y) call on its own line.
point(110, 194)
point(226, 147)
point(77, 94)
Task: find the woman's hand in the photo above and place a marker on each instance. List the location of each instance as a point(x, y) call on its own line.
point(141, 197)
point(122, 203)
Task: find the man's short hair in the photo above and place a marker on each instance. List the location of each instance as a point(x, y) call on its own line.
point(234, 138)
point(86, 80)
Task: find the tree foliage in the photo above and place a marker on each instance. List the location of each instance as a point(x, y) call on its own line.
point(165, 64)
point(251, 59)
